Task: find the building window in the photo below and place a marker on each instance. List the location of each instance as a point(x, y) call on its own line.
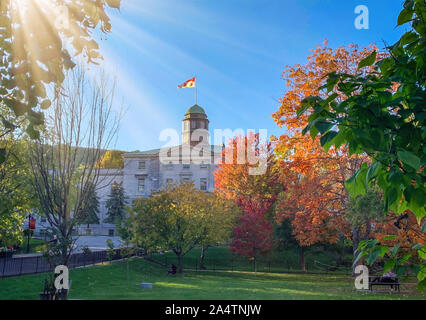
point(186, 166)
point(193, 124)
point(111, 232)
point(203, 184)
point(141, 184)
point(185, 179)
point(203, 165)
point(169, 181)
point(43, 220)
point(142, 165)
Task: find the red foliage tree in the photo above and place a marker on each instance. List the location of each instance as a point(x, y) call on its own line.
point(252, 236)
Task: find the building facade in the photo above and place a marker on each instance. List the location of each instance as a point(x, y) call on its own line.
point(194, 160)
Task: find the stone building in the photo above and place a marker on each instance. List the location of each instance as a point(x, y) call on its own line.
point(143, 172)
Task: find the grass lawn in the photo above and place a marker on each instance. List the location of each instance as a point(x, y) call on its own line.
point(36, 246)
point(109, 281)
point(220, 258)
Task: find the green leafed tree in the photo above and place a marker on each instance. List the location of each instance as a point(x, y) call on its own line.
point(116, 204)
point(17, 196)
point(39, 41)
point(90, 210)
point(178, 219)
point(383, 115)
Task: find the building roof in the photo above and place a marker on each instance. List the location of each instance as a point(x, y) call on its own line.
point(214, 148)
point(195, 109)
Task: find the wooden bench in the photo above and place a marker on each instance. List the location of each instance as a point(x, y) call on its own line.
point(392, 282)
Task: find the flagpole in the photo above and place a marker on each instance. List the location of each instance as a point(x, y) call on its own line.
point(196, 89)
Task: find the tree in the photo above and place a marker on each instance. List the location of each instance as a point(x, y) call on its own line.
point(233, 179)
point(316, 198)
point(364, 211)
point(112, 159)
point(17, 197)
point(116, 204)
point(252, 236)
point(218, 223)
point(382, 115)
point(170, 220)
point(64, 159)
point(90, 210)
point(255, 195)
point(37, 43)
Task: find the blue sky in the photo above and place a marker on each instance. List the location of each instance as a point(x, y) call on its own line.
point(236, 48)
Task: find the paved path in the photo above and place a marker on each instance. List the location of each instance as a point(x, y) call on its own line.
point(96, 243)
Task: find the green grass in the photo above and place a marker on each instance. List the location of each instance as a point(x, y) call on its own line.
point(220, 258)
point(36, 246)
point(109, 281)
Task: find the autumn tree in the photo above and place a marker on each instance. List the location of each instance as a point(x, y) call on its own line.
point(253, 234)
point(254, 194)
point(382, 115)
point(112, 159)
point(315, 199)
point(233, 178)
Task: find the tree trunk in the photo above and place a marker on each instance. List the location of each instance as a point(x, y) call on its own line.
point(180, 266)
point(203, 253)
point(255, 265)
point(355, 242)
point(302, 259)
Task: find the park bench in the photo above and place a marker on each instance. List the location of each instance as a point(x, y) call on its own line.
point(392, 282)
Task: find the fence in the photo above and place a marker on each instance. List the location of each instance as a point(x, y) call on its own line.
point(235, 263)
point(29, 265)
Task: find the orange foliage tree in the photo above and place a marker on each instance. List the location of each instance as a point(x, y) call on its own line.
point(233, 179)
point(316, 198)
point(254, 194)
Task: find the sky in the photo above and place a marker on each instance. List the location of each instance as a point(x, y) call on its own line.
point(237, 49)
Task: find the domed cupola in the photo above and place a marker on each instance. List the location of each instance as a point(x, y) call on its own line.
point(195, 119)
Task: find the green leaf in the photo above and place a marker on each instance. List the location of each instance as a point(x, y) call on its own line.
point(422, 253)
point(328, 137)
point(372, 257)
point(421, 286)
point(368, 61)
point(359, 256)
point(356, 184)
point(33, 133)
point(409, 159)
point(45, 104)
point(389, 237)
point(323, 125)
point(391, 196)
point(404, 16)
point(372, 171)
point(2, 155)
point(389, 265)
point(395, 249)
point(405, 258)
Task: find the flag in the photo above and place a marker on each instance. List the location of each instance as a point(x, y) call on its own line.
point(188, 84)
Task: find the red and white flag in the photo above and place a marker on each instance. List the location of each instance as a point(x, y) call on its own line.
point(188, 84)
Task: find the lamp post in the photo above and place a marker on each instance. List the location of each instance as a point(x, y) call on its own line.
point(28, 233)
